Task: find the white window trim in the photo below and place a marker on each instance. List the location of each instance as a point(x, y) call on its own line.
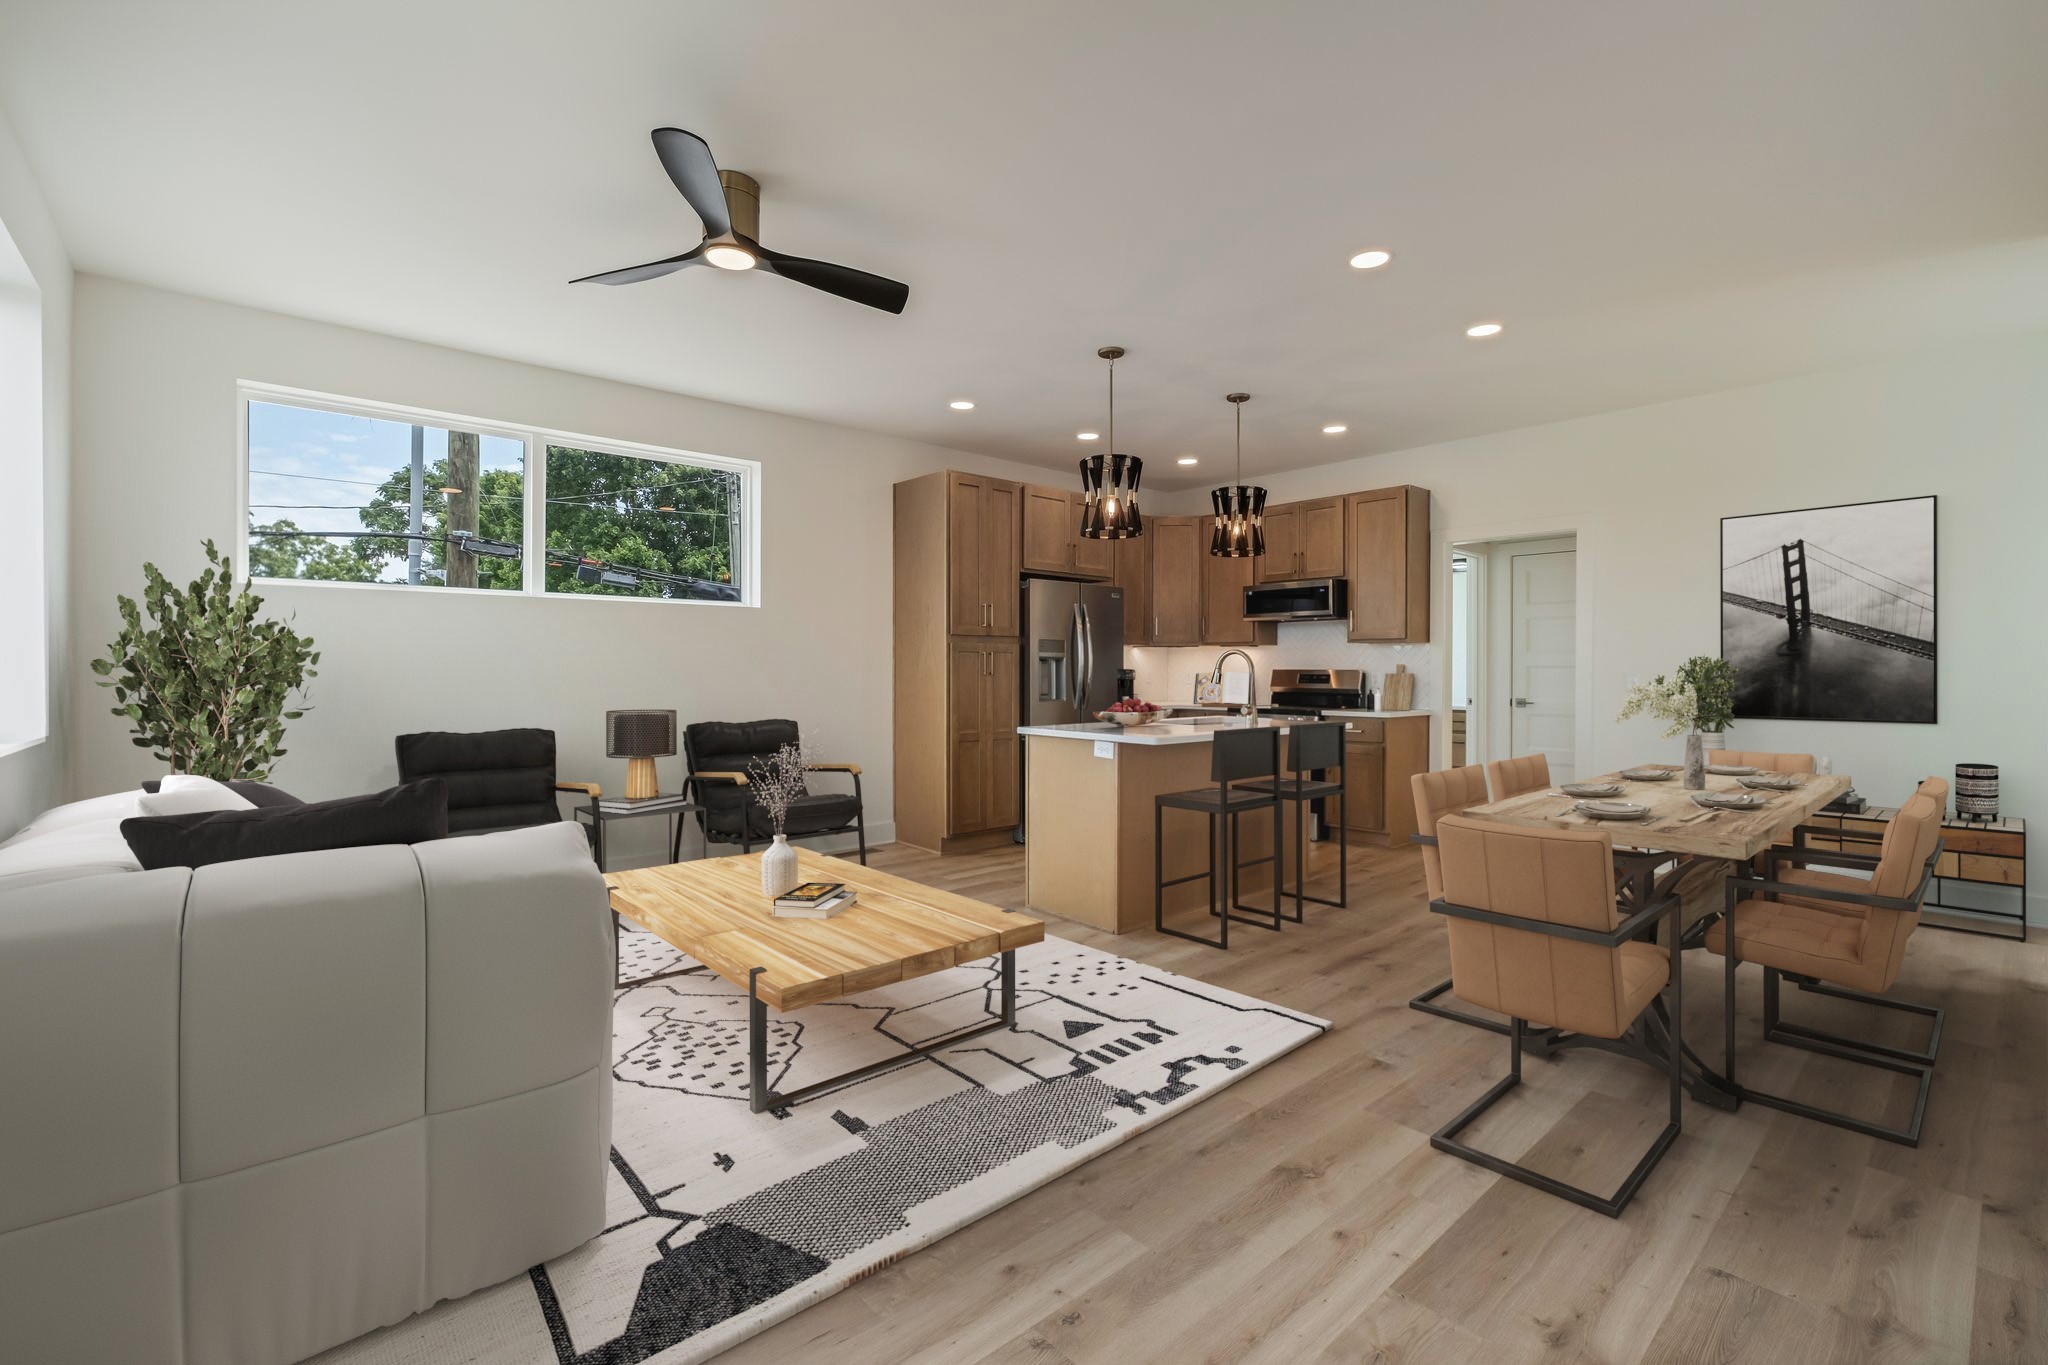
point(535, 440)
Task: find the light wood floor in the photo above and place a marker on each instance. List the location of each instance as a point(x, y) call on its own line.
point(1302, 1215)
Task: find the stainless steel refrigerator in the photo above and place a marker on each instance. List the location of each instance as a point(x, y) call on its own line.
point(1073, 646)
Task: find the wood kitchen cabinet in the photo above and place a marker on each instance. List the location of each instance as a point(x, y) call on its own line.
point(1381, 756)
point(957, 660)
point(982, 562)
point(1176, 580)
point(984, 788)
point(1303, 540)
point(1053, 543)
point(1134, 576)
point(1387, 561)
point(1223, 583)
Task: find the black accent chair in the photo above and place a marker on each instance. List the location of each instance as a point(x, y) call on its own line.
point(720, 754)
point(497, 779)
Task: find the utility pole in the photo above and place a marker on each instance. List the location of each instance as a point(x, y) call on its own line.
point(465, 505)
point(415, 523)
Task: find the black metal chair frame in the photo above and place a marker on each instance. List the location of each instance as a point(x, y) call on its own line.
point(1636, 870)
point(1297, 786)
point(745, 838)
point(1225, 812)
point(1776, 1030)
point(1669, 1006)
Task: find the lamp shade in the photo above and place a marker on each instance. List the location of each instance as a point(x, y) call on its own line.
point(1109, 497)
point(639, 734)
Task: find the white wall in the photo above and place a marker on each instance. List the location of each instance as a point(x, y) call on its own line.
point(33, 778)
point(157, 464)
point(1644, 489)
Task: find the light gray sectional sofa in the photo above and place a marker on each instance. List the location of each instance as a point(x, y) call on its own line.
point(253, 1110)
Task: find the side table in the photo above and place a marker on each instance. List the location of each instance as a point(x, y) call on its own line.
point(677, 807)
point(1982, 852)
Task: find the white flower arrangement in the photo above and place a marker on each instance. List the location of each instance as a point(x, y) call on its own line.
point(1671, 700)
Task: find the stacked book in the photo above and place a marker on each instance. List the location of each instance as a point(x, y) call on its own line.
point(814, 900)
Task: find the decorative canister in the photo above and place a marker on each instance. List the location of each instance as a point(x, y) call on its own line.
point(779, 871)
point(1976, 792)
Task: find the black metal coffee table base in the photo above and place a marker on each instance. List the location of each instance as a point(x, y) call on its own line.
point(763, 1098)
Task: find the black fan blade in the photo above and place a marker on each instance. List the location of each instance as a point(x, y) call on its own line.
point(843, 280)
point(688, 161)
point(653, 270)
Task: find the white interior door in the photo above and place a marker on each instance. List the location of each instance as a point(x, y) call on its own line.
point(1543, 665)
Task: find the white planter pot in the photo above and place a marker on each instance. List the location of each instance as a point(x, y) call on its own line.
point(779, 871)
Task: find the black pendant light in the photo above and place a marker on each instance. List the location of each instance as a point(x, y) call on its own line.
point(1240, 510)
point(1109, 482)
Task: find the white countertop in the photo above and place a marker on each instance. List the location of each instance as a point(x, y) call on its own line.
point(1158, 732)
point(1219, 709)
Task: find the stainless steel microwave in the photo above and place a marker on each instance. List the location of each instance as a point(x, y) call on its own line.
point(1306, 599)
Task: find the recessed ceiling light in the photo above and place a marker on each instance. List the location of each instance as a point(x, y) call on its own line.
point(1371, 260)
point(1087, 435)
point(961, 405)
point(1335, 429)
point(1483, 329)
point(1187, 459)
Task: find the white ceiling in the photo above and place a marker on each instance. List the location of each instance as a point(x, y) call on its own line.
point(1656, 198)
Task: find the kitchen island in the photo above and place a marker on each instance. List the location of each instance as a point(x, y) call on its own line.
point(1088, 805)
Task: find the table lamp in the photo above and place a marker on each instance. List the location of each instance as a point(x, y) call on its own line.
point(640, 737)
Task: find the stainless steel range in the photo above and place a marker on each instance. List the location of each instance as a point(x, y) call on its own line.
point(1312, 691)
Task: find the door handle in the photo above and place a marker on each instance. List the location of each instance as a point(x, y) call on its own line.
point(1087, 652)
point(1521, 701)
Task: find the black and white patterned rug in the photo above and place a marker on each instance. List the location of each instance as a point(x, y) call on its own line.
point(724, 1222)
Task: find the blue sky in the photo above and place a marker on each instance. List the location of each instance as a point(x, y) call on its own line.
point(316, 468)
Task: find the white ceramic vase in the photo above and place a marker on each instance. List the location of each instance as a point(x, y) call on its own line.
point(779, 871)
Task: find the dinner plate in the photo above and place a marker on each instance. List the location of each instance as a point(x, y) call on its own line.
point(1591, 789)
point(1770, 782)
point(1647, 774)
point(1611, 810)
point(1730, 800)
point(1731, 769)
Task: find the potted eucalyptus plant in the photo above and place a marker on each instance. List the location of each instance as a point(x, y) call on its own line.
point(1698, 702)
point(205, 682)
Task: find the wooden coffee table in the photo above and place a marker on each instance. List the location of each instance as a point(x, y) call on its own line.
point(713, 911)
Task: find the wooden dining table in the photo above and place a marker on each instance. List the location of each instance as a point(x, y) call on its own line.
point(1685, 850)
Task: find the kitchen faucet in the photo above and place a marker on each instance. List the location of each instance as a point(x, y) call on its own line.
point(1251, 705)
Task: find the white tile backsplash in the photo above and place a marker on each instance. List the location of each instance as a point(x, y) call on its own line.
point(1167, 675)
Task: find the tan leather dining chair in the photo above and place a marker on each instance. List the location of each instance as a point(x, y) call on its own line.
point(1818, 932)
point(1756, 758)
point(1449, 792)
point(1535, 935)
point(1513, 776)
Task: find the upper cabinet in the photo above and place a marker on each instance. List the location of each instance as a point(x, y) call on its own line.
point(981, 555)
point(1052, 537)
point(1134, 576)
point(1388, 564)
point(1303, 540)
point(1223, 583)
point(1176, 596)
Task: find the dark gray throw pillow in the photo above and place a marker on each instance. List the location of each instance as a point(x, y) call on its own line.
point(411, 813)
point(259, 794)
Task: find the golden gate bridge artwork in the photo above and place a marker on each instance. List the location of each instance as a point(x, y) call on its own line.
point(1814, 629)
point(1811, 588)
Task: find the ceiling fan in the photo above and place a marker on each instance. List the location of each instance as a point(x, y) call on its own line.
point(729, 202)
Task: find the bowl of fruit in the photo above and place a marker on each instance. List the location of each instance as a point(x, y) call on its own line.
point(1132, 711)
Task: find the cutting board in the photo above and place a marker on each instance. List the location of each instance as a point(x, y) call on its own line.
point(1400, 690)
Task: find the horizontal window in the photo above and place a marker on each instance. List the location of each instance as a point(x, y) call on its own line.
point(346, 492)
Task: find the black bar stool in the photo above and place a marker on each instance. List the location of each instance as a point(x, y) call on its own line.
point(1312, 749)
point(1235, 756)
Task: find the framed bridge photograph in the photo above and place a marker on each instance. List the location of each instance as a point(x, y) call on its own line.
point(1828, 613)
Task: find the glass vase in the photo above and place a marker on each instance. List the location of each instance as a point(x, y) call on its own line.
point(1695, 761)
point(779, 871)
